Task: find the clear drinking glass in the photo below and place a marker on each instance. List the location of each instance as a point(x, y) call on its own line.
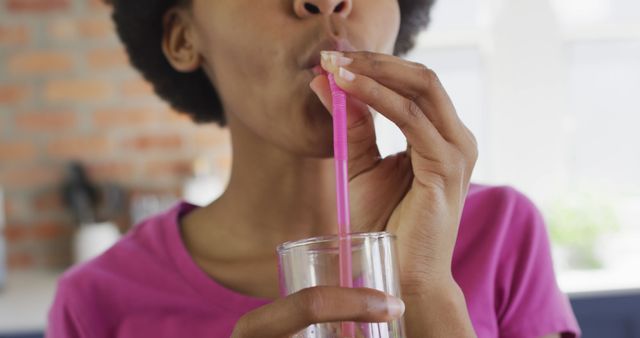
point(315, 262)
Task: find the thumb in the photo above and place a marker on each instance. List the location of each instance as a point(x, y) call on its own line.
point(361, 134)
point(320, 304)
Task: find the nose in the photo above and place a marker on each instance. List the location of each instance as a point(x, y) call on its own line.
point(306, 8)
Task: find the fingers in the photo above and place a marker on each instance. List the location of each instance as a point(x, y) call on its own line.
point(361, 136)
point(405, 113)
point(411, 80)
point(288, 315)
point(320, 86)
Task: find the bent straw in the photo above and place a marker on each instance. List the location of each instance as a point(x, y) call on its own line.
point(340, 153)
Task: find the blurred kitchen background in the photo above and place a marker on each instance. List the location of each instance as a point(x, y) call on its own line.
point(549, 87)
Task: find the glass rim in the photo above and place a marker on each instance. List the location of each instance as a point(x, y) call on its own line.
point(286, 246)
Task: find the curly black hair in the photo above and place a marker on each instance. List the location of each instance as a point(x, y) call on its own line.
point(139, 26)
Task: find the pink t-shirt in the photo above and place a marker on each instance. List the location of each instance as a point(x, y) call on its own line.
point(147, 285)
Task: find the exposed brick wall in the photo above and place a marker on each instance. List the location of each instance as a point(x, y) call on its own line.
point(67, 93)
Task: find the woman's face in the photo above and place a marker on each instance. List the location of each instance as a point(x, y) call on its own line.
point(259, 55)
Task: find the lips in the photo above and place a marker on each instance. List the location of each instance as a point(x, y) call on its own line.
point(317, 70)
point(313, 62)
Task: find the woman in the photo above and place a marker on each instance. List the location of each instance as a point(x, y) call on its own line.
point(474, 260)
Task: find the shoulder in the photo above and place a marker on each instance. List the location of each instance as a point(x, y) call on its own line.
point(505, 198)
point(143, 251)
point(502, 261)
point(500, 233)
point(127, 267)
point(494, 220)
point(507, 220)
point(502, 212)
point(145, 243)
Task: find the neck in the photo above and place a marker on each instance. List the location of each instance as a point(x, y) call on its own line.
point(273, 196)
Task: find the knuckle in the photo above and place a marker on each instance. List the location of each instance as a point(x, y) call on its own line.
point(363, 303)
point(454, 159)
point(375, 65)
point(374, 91)
point(473, 157)
point(457, 166)
point(471, 146)
point(474, 140)
point(411, 110)
point(368, 55)
point(426, 80)
point(415, 64)
point(445, 168)
point(448, 164)
point(311, 304)
point(373, 62)
point(472, 164)
point(428, 76)
point(475, 152)
point(460, 164)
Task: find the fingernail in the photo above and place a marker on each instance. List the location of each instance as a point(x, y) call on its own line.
point(395, 306)
point(345, 74)
point(326, 55)
point(336, 59)
point(340, 60)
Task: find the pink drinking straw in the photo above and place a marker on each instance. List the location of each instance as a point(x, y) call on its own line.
point(340, 153)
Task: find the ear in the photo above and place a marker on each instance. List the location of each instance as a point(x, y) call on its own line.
point(178, 41)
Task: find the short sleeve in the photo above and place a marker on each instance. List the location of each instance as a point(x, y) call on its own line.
point(63, 318)
point(528, 300)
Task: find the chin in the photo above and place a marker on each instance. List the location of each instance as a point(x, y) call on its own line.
point(316, 133)
point(313, 142)
point(318, 154)
point(310, 129)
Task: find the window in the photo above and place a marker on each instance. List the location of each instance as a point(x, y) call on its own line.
point(551, 91)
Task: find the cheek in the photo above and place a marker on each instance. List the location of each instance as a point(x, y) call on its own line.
point(385, 22)
point(232, 48)
point(241, 61)
point(246, 76)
